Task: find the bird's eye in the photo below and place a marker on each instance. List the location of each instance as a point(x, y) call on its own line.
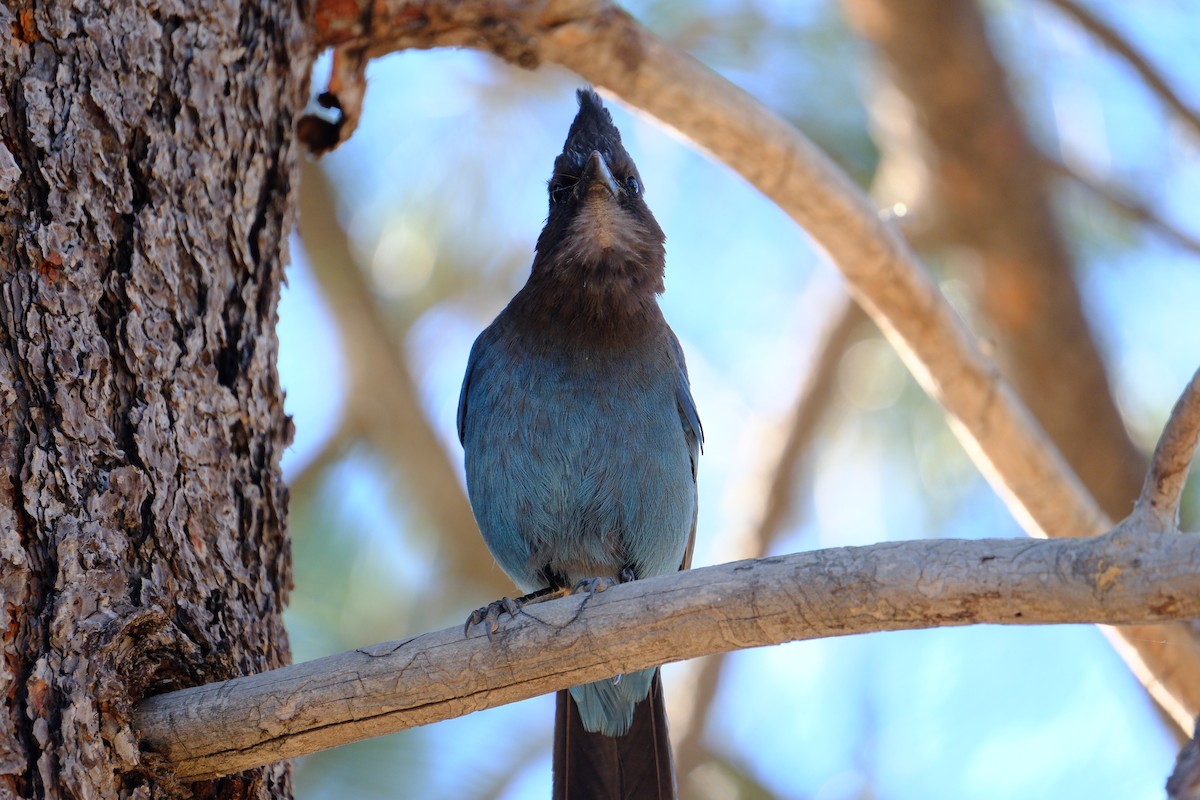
point(558, 192)
point(632, 186)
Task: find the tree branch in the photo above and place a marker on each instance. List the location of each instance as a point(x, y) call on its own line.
point(1158, 504)
point(1118, 44)
point(1120, 198)
point(1125, 577)
point(986, 190)
point(606, 46)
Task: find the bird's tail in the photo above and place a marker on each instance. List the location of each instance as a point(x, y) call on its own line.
point(635, 766)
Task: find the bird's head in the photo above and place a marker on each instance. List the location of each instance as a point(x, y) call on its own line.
point(600, 234)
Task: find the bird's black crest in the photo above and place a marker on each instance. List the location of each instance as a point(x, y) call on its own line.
point(599, 233)
point(592, 130)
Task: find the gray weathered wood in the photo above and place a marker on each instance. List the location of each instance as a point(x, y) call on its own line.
point(1118, 578)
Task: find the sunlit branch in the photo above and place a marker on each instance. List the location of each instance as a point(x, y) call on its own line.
point(222, 728)
point(1159, 501)
point(949, 110)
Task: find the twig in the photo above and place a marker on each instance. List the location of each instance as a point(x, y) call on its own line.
point(1114, 41)
point(1121, 199)
point(1158, 504)
point(226, 727)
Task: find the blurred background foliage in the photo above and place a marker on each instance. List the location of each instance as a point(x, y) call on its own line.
point(416, 232)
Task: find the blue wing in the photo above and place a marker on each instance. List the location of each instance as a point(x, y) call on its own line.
point(693, 431)
point(462, 395)
point(688, 415)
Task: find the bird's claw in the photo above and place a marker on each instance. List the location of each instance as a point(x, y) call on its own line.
point(508, 605)
point(593, 585)
point(491, 614)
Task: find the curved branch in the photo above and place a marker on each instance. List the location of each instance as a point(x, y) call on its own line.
point(606, 46)
point(986, 189)
point(222, 728)
point(1111, 38)
point(1158, 504)
point(950, 114)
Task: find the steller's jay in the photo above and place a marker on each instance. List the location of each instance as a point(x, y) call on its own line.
point(581, 441)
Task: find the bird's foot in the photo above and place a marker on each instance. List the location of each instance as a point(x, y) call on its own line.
point(491, 614)
point(507, 605)
point(593, 585)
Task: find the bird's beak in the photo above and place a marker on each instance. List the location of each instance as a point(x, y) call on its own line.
point(597, 176)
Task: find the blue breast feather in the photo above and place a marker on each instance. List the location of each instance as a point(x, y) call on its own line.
point(583, 460)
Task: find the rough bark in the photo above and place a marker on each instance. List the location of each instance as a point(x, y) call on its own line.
point(146, 175)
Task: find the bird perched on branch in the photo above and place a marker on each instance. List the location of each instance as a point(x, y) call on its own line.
point(581, 442)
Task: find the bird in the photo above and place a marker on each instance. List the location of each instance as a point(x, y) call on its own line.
point(581, 441)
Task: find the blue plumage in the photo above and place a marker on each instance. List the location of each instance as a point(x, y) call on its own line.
point(577, 420)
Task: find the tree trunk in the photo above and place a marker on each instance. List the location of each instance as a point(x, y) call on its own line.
point(146, 177)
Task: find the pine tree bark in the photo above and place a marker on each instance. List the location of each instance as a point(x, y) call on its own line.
point(146, 180)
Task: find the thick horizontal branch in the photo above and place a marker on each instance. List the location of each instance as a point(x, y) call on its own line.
point(1126, 577)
